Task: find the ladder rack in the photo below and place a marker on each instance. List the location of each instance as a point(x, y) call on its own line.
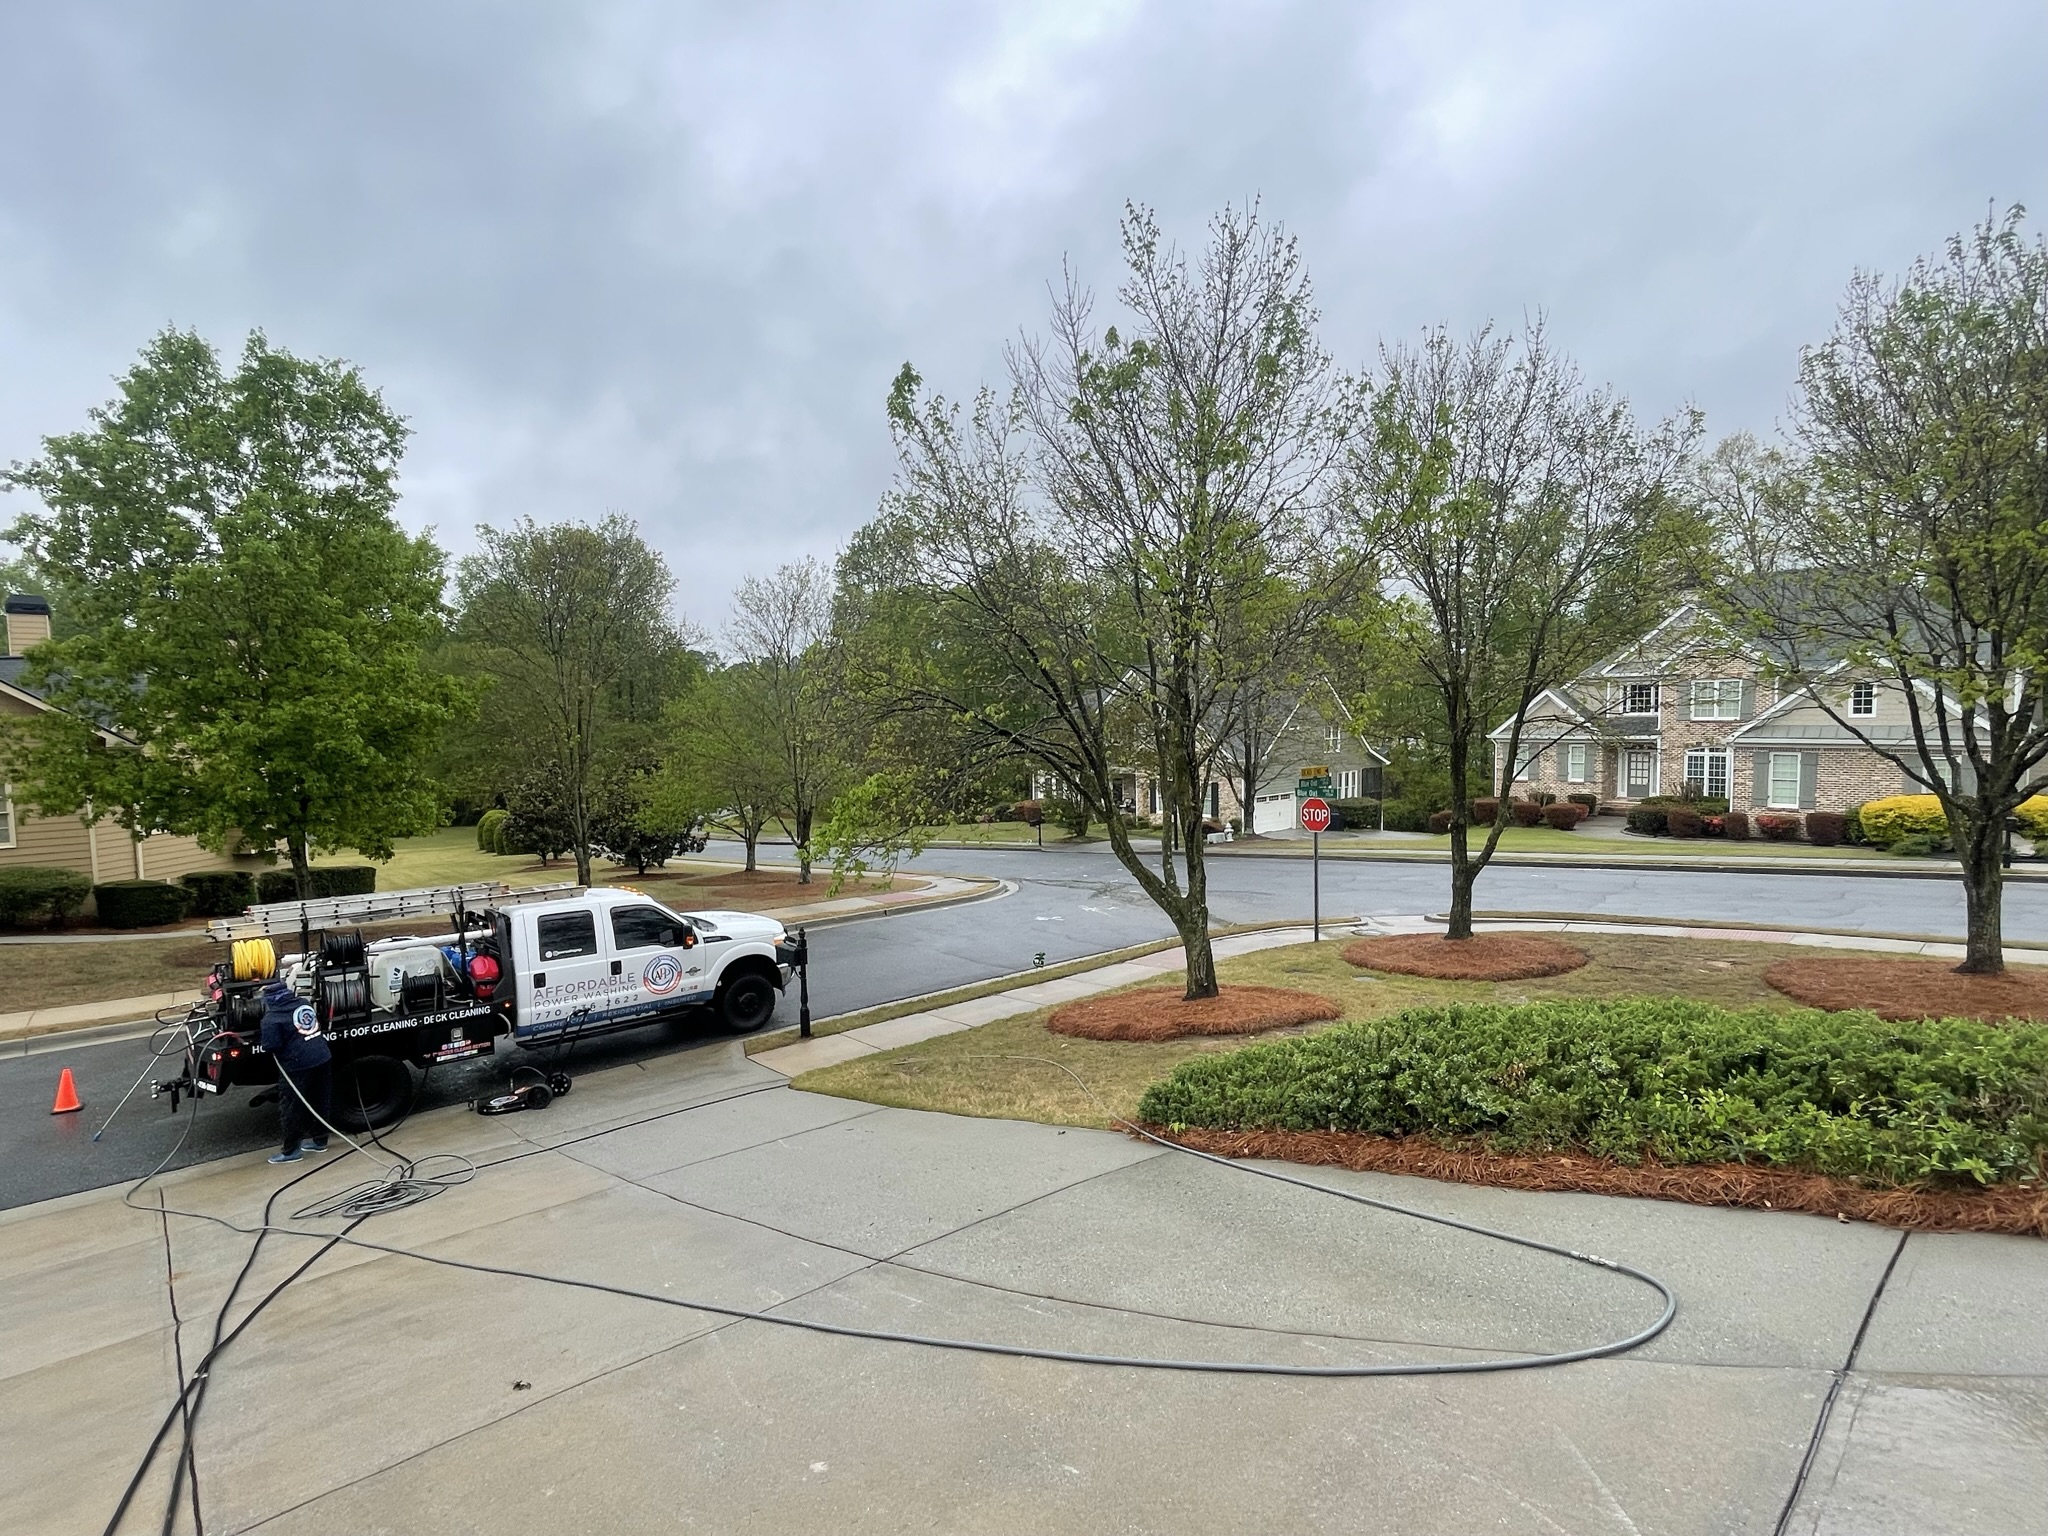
point(287, 917)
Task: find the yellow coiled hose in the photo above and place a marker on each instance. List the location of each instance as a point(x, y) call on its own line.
point(254, 959)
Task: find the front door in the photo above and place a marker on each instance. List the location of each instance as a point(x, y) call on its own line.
point(1641, 773)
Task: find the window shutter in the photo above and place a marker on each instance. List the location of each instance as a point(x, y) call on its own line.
point(1748, 697)
point(1809, 778)
point(1759, 780)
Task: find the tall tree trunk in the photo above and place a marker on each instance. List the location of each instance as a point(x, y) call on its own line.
point(1463, 877)
point(1982, 852)
point(1191, 914)
point(802, 829)
point(302, 866)
point(752, 838)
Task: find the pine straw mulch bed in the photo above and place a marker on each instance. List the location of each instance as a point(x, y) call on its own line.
point(2018, 1209)
point(1483, 957)
point(1912, 989)
point(1161, 1013)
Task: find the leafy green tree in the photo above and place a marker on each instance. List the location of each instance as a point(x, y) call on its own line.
point(724, 760)
point(1525, 532)
point(1921, 560)
point(782, 630)
point(632, 823)
point(1101, 566)
point(250, 617)
point(874, 826)
point(572, 624)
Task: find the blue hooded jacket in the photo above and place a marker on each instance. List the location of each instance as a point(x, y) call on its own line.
point(291, 1032)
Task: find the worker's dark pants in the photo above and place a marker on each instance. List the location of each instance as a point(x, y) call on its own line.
point(317, 1084)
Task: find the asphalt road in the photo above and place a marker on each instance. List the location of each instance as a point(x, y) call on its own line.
point(1067, 903)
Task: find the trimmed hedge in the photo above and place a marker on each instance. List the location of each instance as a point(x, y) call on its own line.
point(1485, 810)
point(1705, 805)
point(275, 885)
point(490, 830)
point(1647, 820)
point(140, 903)
point(1777, 826)
point(219, 892)
point(1591, 803)
point(1439, 822)
point(1527, 813)
point(1887, 820)
point(1735, 826)
point(1564, 815)
point(1684, 821)
point(1944, 1101)
point(35, 891)
point(1355, 815)
point(1825, 828)
point(1408, 818)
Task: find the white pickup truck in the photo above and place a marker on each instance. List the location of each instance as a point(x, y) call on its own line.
point(529, 967)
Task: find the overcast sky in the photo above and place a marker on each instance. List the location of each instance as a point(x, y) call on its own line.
point(664, 259)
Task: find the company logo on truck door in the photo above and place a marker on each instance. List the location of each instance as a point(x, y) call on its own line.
point(663, 975)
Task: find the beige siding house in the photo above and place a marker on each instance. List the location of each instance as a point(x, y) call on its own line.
point(102, 852)
point(1688, 706)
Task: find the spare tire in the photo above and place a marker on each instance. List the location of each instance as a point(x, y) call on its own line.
point(372, 1092)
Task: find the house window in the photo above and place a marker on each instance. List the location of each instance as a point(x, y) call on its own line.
point(1575, 763)
point(1529, 764)
point(1863, 699)
point(7, 816)
point(1347, 784)
point(1639, 699)
point(1717, 699)
point(1333, 738)
point(1708, 768)
point(1784, 785)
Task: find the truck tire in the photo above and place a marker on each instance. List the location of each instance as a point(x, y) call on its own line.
point(746, 1002)
point(372, 1092)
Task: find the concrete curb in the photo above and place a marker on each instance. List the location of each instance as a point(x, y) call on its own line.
point(1852, 868)
point(129, 1017)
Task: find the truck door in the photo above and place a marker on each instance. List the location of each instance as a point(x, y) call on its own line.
point(659, 953)
point(566, 973)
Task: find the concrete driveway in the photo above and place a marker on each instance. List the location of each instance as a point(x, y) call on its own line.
point(379, 1394)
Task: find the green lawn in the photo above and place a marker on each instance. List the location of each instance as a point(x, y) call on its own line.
point(1000, 1069)
point(451, 857)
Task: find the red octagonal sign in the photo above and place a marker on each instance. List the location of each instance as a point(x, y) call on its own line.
point(1315, 814)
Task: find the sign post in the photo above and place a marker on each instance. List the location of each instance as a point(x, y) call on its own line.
point(1315, 820)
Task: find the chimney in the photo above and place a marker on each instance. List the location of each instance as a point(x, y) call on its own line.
point(28, 622)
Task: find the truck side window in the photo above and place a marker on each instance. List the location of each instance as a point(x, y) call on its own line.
point(643, 928)
point(565, 935)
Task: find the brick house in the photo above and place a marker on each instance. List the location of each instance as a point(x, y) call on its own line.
point(1314, 728)
point(102, 851)
point(1687, 704)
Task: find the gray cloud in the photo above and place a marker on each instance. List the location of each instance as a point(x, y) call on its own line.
point(664, 260)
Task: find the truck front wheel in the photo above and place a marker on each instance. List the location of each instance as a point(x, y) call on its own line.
point(746, 1002)
point(371, 1092)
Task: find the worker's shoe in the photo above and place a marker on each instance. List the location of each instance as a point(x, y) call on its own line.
point(314, 1146)
point(287, 1157)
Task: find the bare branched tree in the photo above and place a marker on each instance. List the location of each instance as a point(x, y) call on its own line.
point(1516, 508)
point(1108, 559)
point(1922, 561)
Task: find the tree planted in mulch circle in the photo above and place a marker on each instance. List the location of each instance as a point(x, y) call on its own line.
point(1483, 957)
point(1911, 989)
point(1162, 1013)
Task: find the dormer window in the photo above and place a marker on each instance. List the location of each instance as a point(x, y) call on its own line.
point(1863, 699)
point(1639, 699)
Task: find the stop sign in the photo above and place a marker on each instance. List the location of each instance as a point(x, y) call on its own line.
point(1315, 814)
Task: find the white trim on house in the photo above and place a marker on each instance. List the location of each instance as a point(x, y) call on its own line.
point(1809, 697)
point(1500, 732)
point(1771, 791)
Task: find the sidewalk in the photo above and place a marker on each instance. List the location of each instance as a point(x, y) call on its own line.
point(383, 1393)
point(830, 1049)
point(19, 1028)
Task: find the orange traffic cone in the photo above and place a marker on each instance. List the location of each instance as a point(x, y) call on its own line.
point(68, 1102)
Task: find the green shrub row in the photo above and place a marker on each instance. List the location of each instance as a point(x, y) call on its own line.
point(219, 892)
point(328, 880)
point(1943, 1101)
point(36, 893)
point(140, 903)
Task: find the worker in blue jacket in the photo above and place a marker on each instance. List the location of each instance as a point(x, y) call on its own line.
point(291, 1034)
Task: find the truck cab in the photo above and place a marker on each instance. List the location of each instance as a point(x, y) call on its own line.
point(609, 959)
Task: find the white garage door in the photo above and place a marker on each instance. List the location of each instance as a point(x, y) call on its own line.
point(1273, 813)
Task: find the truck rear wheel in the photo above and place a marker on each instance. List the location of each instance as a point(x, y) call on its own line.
point(746, 1002)
point(372, 1092)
